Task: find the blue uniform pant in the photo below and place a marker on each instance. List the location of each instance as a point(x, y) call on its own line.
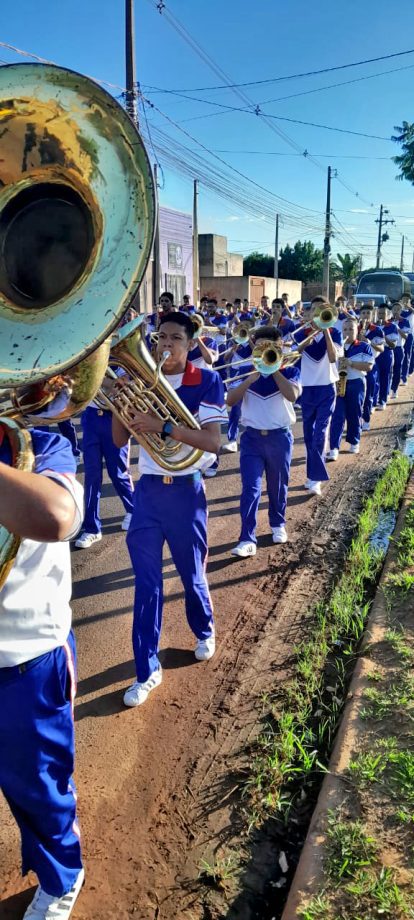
point(68, 430)
point(411, 368)
point(372, 383)
point(98, 446)
point(318, 404)
point(385, 364)
point(396, 371)
point(269, 453)
point(348, 408)
point(408, 349)
point(175, 513)
point(234, 421)
point(36, 764)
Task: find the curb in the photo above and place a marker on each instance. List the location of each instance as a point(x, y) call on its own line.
point(309, 877)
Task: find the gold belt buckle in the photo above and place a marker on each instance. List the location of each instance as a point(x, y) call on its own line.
point(168, 480)
point(263, 432)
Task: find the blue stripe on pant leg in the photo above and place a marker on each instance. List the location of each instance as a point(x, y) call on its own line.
point(92, 458)
point(252, 464)
point(145, 542)
point(234, 419)
point(117, 462)
point(396, 372)
point(185, 526)
point(354, 401)
point(372, 378)
point(36, 766)
point(278, 449)
point(337, 423)
point(408, 348)
point(385, 364)
point(317, 408)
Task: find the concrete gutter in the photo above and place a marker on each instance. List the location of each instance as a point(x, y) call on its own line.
point(309, 877)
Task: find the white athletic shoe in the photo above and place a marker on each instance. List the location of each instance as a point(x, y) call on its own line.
point(333, 454)
point(307, 484)
point(205, 648)
point(47, 907)
point(138, 693)
point(126, 522)
point(366, 426)
point(403, 383)
point(230, 447)
point(381, 407)
point(279, 534)
point(315, 487)
point(244, 549)
point(87, 539)
point(393, 394)
point(210, 473)
point(354, 449)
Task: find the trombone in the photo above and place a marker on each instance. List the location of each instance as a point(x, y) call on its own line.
point(269, 357)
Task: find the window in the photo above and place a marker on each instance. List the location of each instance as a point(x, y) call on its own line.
point(177, 285)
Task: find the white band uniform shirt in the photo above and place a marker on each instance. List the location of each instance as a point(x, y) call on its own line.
point(197, 358)
point(263, 405)
point(362, 353)
point(35, 614)
point(316, 368)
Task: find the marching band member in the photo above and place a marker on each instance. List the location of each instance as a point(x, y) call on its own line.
point(403, 328)
point(266, 445)
point(283, 323)
point(166, 303)
point(286, 308)
point(319, 374)
point(407, 313)
point(343, 312)
point(98, 446)
point(37, 669)
point(205, 352)
point(385, 361)
point(371, 333)
point(236, 353)
point(359, 358)
point(173, 509)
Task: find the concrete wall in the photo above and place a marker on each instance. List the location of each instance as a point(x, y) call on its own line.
point(215, 259)
point(251, 287)
point(176, 248)
point(314, 289)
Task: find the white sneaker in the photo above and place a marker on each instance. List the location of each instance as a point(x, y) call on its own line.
point(365, 426)
point(244, 549)
point(393, 394)
point(126, 522)
point(48, 907)
point(403, 383)
point(381, 407)
point(205, 648)
point(333, 454)
point(307, 484)
point(315, 487)
point(230, 447)
point(354, 449)
point(279, 534)
point(87, 539)
point(138, 693)
point(208, 474)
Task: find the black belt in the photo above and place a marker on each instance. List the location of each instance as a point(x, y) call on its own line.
point(172, 480)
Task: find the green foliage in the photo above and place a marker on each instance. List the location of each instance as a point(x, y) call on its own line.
point(257, 263)
point(349, 848)
point(347, 267)
point(303, 262)
point(405, 161)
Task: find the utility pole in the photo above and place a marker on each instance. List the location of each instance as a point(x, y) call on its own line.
point(327, 239)
point(402, 255)
point(276, 264)
point(130, 71)
point(382, 237)
point(156, 264)
point(196, 272)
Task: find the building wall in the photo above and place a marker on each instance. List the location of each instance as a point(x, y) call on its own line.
point(215, 259)
point(251, 287)
point(176, 251)
point(314, 289)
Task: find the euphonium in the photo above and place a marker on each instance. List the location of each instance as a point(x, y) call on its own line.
point(77, 213)
point(145, 389)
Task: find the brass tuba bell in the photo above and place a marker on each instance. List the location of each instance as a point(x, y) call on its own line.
point(77, 217)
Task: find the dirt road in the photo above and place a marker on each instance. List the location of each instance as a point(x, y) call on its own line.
point(155, 784)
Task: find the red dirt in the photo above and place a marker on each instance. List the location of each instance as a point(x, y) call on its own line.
point(157, 785)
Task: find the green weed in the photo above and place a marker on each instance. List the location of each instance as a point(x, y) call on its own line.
point(349, 848)
point(317, 909)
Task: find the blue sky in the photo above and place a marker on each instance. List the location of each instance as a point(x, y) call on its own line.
point(251, 42)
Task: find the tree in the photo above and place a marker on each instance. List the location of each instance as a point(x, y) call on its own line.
point(347, 267)
point(303, 262)
point(257, 263)
point(405, 161)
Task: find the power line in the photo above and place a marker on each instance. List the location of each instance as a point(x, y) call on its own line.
point(277, 153)
point(295, 76)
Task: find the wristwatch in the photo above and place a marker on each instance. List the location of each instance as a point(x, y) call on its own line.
point(166, 430)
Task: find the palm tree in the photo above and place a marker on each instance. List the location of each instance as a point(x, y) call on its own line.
point(346, 268)
point(405, 161)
